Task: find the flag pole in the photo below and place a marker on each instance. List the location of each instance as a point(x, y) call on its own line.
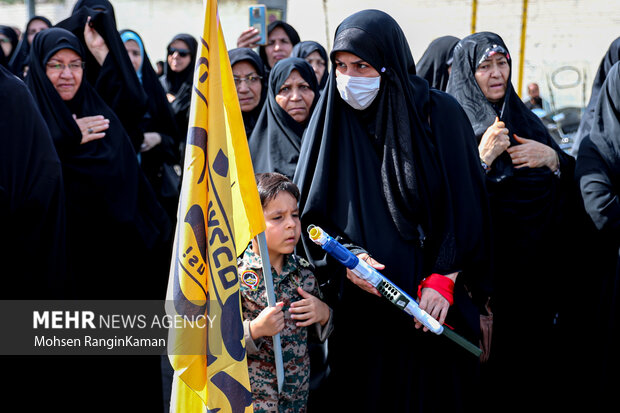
point(271, 302)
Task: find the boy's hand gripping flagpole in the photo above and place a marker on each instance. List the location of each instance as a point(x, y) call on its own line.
point(387, 289)
point(271, 302)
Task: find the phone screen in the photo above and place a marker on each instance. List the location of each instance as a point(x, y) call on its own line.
point(258, 20)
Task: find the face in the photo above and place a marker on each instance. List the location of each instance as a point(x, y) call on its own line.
point(35, 27)
point(248, 90)
point(7, 47)
point(133, 49)
point(278, 47)
point(351, 65)
point(492, 77)
point(282, 225)
point(295, 97)
point(64, 70)
point(180, 57)
point(317, 63)
point(533, 90)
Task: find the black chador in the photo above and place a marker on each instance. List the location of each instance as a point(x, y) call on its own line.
point(388, 179)
point(276, 139)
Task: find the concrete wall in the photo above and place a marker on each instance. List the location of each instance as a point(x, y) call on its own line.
point(559, 32)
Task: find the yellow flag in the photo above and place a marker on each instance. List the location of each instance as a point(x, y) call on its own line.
point(219, 213)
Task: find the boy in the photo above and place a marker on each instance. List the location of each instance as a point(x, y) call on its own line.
point(296, 289)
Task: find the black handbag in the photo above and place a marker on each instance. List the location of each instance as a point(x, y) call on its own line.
point(169, 182)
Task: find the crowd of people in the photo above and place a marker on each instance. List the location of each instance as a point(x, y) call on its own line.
point(437, 174)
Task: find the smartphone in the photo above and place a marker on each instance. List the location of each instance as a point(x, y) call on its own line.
point(258, 20)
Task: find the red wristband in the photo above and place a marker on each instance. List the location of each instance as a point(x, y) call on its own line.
point(440, 283)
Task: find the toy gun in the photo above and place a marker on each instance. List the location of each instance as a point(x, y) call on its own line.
point(387, 289)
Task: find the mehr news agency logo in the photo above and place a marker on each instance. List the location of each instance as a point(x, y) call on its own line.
point(87, 329)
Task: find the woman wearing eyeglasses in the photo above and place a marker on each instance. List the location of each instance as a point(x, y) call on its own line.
point(291, 97)
point(178, 76)
point(113, 218)
point(108, 67)
point(115, 225)
point(250, 80)
point(315, 54)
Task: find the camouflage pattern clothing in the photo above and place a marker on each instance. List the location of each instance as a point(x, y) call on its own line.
point(296, 272)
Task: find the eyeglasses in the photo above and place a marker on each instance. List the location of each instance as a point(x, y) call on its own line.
point(5, 40)
point(250, 80)
point(181, 52)
point(59, 67)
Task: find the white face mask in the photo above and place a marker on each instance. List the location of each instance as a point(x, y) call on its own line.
point(358, 92)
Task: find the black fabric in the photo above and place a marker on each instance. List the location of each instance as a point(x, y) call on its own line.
point(276, 139)
point(4, 62)
point(609, 59)
point(180, 84)
point(290, 32)
point(32, 206)
point(115, 81)
point(347, 172)
point(98, 5)
point(19, 60)
point(245, 54)
point(115, 227)
point(303, 49)
point(518, 119)
point(113, 217)
point(158, 163)
point(434, 63)
point(534, 214)
point(10, 33)
point(598, 173)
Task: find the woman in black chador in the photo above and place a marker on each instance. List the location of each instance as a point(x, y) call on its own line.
point(8, 44)
point(178, 77)
point(115, 226)
point(390, 166)
point(598, 174)
point(291, 97)
point(19, 61)
point(32, 201)
point(434, 65)
point(609, 59)
point(536, 217)
point(251, 84)
point(108, 67)
point(316, 55)
point(281, 38)
point(113, 218)
point(159, 152)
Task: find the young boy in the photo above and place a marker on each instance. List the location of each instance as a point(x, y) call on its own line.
point(298, 307)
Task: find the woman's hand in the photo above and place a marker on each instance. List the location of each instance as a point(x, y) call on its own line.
point(95, 43)
point(365, 285)
point(434, 303)
point(309, 309)
point(494, 141)
point(249, 38)
point(533, 154)
point(92, 127)
point(151, 140)
point(269, 322)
